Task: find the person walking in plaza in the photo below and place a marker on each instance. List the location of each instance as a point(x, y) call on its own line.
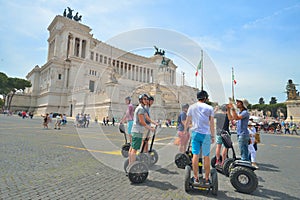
point(251, 149)
point(58, 121)
point(287, 128)
point(203, 133)
point(242, 119)
point(50, 117)
point(84, 120)
point(128, 117)
point(138, 127)
point(104, 121)
point(107, 121)
point(88, 119)
point(46, 120)
point(183, 138)
point(222, 124)
point(294, 129)
point(113, 121)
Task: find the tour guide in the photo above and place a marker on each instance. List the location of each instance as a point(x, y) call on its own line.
point(242, 125)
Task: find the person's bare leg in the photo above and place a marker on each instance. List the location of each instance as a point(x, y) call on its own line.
point(195, 161)
point(206, 167)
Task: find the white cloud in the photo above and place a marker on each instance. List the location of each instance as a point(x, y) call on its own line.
point(266, 20)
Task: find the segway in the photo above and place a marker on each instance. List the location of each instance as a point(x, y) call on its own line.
point(138, 171)
point(224, 169)
point(241, 173)
point(189, 184)
point(125, 147)
point(152, 152)
point(184, 161)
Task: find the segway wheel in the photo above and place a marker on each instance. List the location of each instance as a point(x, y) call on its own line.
point(182, 160)
point(126, 163)
point(153, 157)
point(214, 160)
point(215, 183)
point(226, 166)
point(187, 178)
point(144, 158)
point(243, 179)
point(125, 150)
point(137, 172)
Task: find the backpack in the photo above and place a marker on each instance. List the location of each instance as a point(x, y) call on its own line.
point(226, 139)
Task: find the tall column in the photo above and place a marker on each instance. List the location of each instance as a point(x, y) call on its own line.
point(137, 70)
point(80, 45)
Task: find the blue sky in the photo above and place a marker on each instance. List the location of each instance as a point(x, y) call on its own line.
point(259, 38)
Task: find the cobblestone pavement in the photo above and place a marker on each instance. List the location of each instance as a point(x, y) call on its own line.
point(76, 164)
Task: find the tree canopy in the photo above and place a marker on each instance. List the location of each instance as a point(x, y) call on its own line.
point(261, 100)
point(9, 85)
point(274, 108)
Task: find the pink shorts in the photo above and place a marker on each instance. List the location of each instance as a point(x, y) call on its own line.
point(184, 138)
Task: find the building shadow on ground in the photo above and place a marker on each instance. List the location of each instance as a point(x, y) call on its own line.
point(163, 170)
point(162, 185)
point(268, 167)
point(207, 194)
point(271, 194)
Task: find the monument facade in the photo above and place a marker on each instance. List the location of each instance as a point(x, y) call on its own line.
point(85, 75)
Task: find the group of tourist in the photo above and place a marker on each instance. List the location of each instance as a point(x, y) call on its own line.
point(199, 118)
point(60, 120)
point(105, 121)
point(287, 128)
point(82, 120)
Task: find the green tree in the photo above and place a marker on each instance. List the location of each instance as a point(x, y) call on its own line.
point(1, 103)
point(3, 87)
point(9, 86)
point(261, 100)
point(275, 109)
point(273, 100)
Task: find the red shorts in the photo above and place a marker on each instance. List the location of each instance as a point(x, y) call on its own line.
point(184, 138)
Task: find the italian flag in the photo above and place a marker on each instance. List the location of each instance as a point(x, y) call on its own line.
point(233, 80)
point(199, 67)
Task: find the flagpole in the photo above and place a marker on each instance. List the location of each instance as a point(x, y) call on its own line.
point(202, 70)
point(232, 84)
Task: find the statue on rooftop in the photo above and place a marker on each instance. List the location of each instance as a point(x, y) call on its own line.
point(159, 51)
point(70, 15)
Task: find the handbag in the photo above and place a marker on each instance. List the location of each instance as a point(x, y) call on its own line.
point(226, 139)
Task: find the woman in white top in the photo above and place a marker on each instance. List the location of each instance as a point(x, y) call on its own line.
point(251, 148)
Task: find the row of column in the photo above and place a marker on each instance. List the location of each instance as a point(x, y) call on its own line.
point(136, 73)
point(76, 47)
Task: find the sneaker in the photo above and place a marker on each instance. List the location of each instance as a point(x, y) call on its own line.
point(218, 164)
point(206, 182)
point(255, 165)
point(195, 181)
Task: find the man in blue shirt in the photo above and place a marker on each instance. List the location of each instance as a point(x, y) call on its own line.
point(242, 125)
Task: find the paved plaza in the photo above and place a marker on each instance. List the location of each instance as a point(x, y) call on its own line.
point(85, 163)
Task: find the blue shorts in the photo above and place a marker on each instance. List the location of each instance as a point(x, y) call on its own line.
point(201, 140)
point(129, 126)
